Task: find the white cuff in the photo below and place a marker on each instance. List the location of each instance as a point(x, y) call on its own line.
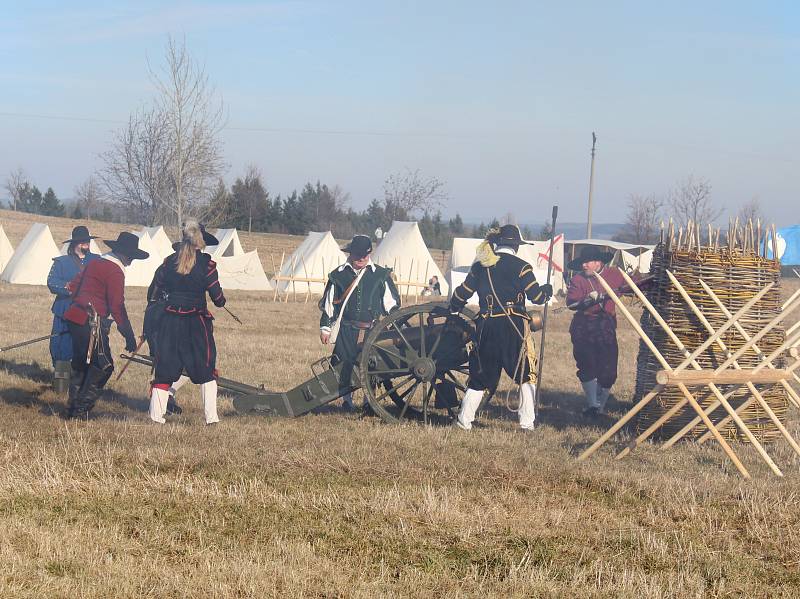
point(325, 329)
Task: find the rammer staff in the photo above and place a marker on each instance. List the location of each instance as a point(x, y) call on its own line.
point(544, 314)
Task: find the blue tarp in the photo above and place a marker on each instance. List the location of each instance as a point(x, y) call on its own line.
point(788, 245)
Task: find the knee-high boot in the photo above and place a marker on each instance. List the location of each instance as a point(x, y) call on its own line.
point(208, 391)
point(172, 405)
point(75, 383)
point(469, 405)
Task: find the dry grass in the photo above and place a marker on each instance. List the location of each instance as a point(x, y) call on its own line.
point(330, 505)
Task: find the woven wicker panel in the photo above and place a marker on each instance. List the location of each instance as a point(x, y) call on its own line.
point(736, 277)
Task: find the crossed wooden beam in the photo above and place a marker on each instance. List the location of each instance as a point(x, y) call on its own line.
point(730, 372)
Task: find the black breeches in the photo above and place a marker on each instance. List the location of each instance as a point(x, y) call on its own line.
point(596, 360)
point(497, 349)
point(185, 343)
point(101, 354)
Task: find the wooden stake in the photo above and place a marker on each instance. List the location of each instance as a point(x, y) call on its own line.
point(714, 389)
point(629, 317)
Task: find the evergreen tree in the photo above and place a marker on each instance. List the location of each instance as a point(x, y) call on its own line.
point(30, 199)
point(51, 205)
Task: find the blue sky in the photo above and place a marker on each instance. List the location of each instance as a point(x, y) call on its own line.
point(497, 99)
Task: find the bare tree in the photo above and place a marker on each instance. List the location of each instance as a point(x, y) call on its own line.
point(194, 120)
point(751, 211)
point(14, 184)
point(136, 171)
point(165, 164)
point(409, 192)
point(691, 201)
point(642, 223)
point(88, 194)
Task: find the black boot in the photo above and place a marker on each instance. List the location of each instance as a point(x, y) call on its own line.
point(75, 383)
point(90, 391)
point(173, 407)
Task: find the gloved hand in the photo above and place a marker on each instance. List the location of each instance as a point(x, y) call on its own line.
point(130, 342)
point(547, 289)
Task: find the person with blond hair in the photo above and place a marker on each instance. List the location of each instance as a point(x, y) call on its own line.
point(186, 335)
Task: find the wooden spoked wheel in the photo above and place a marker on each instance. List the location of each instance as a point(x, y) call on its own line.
point(413, 364)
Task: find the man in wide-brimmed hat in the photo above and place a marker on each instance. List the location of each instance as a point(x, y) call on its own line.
point(357, 294)
point(63, 270)
point(98, 293)
point(503, 281)
point(593, 330)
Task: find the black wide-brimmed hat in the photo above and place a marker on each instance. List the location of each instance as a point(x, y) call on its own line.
point(80, 234)
point(359, 246)
point(208, 238)
point(127, 244)
point(509, 235)
point(588, 254)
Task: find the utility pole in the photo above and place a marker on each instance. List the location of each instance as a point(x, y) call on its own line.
point(591, 191)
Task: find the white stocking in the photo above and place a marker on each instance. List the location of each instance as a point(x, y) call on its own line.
point(178, 384)
point(208, 391)
point(527, 394)
point(469, 405)
point(158, 404)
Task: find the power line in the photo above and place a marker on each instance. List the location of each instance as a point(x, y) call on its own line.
point(253, 128)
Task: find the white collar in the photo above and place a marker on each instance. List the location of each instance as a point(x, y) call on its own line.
point(370, 264)
point(112, 258)
point(505, 250)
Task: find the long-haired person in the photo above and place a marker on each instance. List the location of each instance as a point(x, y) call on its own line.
point(186, 335)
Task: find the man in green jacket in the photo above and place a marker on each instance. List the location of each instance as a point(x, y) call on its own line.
point(358, 293)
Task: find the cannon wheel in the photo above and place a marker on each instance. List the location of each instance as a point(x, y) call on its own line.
point(423, 376)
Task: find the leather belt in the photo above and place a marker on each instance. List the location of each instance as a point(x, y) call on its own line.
point(359, 324)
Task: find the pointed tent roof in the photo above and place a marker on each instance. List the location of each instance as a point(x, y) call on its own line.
point(229, 244)
point(316, 256)
point(404, 250)
point(140, 272)
point(6, 249)
point(160, 240)
point(242, 272)
point(30, 264)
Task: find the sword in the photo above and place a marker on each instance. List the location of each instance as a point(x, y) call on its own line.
point(94, 325)
point(31, 341)
point(133, 355)
point(236, 318)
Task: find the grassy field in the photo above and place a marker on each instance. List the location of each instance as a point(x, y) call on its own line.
point(334, 505)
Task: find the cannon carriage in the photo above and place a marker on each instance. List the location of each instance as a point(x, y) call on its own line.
point(412, 366)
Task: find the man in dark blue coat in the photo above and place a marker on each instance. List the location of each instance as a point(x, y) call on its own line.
point(62, 272)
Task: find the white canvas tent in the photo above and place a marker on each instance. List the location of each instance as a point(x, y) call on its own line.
point(30, 264)
point(536, 254)
point(404, 250)
point(140, 272)
point(160, 239)
point(313, 259)
point(229, 244)
point(242, 272)
point(6, 249)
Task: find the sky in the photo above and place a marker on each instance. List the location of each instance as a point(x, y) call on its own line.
point(496, 99)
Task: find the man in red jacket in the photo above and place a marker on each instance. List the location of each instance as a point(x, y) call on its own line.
point(594, 327)
point(98, 294)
